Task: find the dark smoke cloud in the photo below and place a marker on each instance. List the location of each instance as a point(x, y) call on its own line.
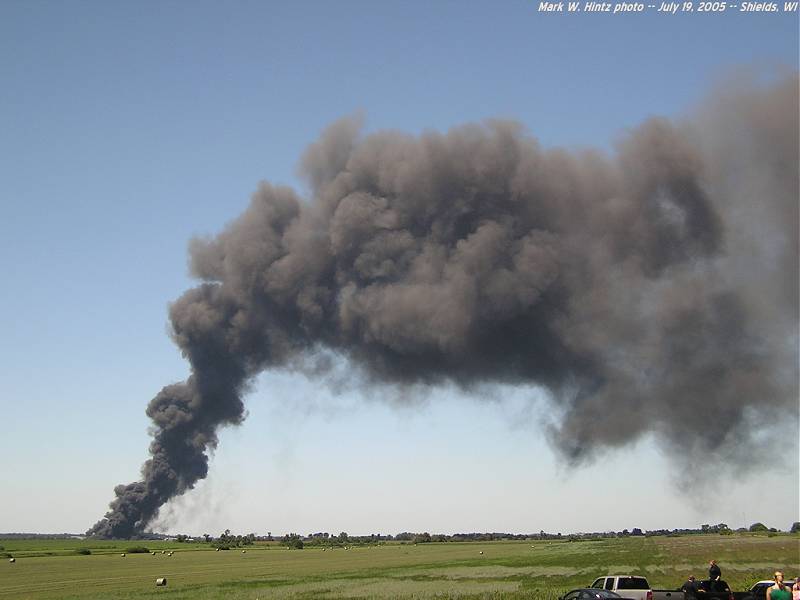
point(650, 293)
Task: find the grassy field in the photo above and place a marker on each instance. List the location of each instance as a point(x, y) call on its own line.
point(47, 569)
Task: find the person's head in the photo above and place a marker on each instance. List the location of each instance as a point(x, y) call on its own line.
point(779, 576)
point(712, 563)
point(691, 577)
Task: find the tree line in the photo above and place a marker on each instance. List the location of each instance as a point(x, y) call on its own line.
point(227, 540)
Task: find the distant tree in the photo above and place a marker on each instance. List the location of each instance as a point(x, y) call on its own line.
point(206, 537)
point(795, 528)
point(342, 537)
point(226, 540)
point(636, 531)
point(722, 529)
point(292, 540)
point(758, 527)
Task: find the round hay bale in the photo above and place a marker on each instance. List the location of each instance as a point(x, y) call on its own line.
point(481, 552)
point(244, 551)
point(153, 553)
point(122, 555)
point(217, 549)
point(163, 552)
point(161, 581)
point(12, 560)
point(170, 554)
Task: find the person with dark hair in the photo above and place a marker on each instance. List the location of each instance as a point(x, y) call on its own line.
point(689, 588)
point(714, 572)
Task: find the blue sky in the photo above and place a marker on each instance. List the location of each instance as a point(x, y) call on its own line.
point(128, 127)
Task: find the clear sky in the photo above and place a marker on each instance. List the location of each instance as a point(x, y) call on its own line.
point(128, 127)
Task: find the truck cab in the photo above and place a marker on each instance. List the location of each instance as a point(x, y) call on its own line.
point(628, 586)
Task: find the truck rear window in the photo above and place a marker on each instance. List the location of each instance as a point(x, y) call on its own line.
point(632, 583)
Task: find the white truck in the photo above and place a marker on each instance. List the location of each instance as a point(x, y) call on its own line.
point(627, 586)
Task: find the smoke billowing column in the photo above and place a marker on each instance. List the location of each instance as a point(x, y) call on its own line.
point(621, 285)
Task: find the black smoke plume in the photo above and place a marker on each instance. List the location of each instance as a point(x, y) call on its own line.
point(653, 292)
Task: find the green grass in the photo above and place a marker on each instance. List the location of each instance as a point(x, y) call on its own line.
point(42, 547)
point(48, 569)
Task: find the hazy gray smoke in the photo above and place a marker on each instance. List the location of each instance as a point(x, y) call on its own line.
point(652, 292)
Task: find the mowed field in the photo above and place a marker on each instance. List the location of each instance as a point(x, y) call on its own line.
point(47, 569)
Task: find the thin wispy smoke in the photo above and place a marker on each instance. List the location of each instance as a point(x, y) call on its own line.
point(652, 292)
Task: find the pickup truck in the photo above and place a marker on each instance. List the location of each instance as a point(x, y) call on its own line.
point(759, 589)
point(706, 590)
point(629, 586)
